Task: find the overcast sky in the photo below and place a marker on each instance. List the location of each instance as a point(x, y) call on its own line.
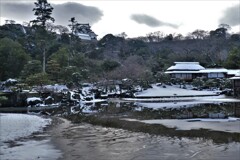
point(135, 18)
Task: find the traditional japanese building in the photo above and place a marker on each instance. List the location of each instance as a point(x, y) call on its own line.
point(84, 32)
point(187, 71)
point(214, 73)
point(236, 84)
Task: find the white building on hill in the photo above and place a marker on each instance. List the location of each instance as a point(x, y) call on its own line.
point(84, 32)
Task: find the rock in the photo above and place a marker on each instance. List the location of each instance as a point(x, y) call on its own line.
point(49, 100)
point(34, 100)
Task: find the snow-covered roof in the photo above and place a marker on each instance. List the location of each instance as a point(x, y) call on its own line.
point(192, 66)
point(84, 36)
point(233, 71)
point(190, 72)
point(214, 70)
point(207, 70)
point(92, 35)
point(237, 75)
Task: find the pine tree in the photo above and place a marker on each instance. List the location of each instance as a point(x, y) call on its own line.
point(43, 11)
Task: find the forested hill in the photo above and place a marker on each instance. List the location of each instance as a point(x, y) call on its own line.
point(70, 59)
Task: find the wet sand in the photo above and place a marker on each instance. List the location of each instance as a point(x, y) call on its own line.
point(56, 130)
point(86, 142)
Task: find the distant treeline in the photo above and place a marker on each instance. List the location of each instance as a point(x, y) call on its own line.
point(42, 53)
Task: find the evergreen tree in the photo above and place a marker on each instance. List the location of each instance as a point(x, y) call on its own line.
point(31, 68)
point(233, 59)
point(12, 58)
point(73, 25)
point(43, 11)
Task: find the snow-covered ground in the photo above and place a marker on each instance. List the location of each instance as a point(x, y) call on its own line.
point(172, 91)
point(93, 101)
point(182, 101)
point(16, 128)
point(226, 125)
point(166, 105)
point(56, 88)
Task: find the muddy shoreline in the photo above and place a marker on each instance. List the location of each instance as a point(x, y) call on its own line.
point(56, 129)
point(156, 129)
point(89, 137)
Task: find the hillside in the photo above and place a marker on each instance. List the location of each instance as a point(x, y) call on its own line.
point(68, 59)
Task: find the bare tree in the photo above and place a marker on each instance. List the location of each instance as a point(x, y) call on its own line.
point(226, 26)
point(133, 67)
point(123, 35)
point(50, 26)
point(150, 37)
point(158, 36)
point(178, 37)
point(10, 21)
point(199, 34)
point(61, 29)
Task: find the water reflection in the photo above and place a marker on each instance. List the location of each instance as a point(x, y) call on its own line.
point(96, 142)
point(174, 110)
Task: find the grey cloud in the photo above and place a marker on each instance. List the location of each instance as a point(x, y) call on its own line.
point(62, 12)
point(150, 21)
point(83, 14)
point(17, 11)
point(231, 16)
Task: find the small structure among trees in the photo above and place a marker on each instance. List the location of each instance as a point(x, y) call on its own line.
point(82, 31)
point(236, 85)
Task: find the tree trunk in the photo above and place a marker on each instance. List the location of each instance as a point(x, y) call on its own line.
point(44, 60)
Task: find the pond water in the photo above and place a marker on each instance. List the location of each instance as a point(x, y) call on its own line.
point(161, 110)
point(189, 115)
point(85, 141)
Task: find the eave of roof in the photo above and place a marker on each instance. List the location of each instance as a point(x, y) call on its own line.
point(214, 70)
point(235, 78)
point(170, 72)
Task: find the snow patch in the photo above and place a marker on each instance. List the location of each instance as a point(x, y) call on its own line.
point(14, 126)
